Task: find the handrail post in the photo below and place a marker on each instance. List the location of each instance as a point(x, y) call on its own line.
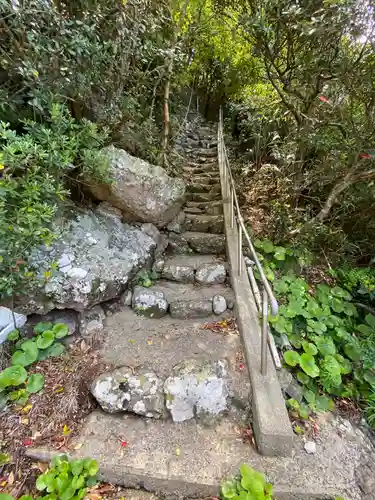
point(264, 346)
point(239, 249)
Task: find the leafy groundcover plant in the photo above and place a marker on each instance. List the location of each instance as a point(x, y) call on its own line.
point(64, 480)
point(333, 341)
point(248, 485)
point(15, 383)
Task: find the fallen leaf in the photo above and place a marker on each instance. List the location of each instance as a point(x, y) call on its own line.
point(124, 444)
point(323, 99)
point(3, 483)
point(365, 156)
point(24, 421)
point(66, 430)
point(77, 446)
point(131, 341)
point(149, 342)
point(94, 496)
point(177, 451)
point(36, 435)
point(42, 466)
point(60, 389)
point(241, 366)
point(27, 442)
point(11, 478)
point(27, 408)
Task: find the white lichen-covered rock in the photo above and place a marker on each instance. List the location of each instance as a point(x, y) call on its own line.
point(143, 192)
point(149, 302)
point(91, 322)
point(121, 390)
point(96, 257)
point(209, 274)
point(197, 389)
point(182, 274)
point(219, 304)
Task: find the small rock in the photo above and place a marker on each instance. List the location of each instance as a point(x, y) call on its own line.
point(190, 309)
point(182, 274)
point(219, 304)
point(249, 262)
point(210, 274)
point(126, 298)
point(149, 302)
point(159, 238)
point(65, 262)
point(121, 390)
point(289, 385)
point(178, 244)
point(197, 389)
point(310, 447)
point(158, 266)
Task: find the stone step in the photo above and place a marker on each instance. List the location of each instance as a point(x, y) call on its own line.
point(204, 223)
point(203, 197)
point(193, 210)
point(202, 269)
point(184, 300)
point(201, 170)
point(212, 208)
point(205, 243)
point(207, 180)
point(196, 187)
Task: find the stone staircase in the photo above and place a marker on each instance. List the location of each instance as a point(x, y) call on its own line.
point(176, 409)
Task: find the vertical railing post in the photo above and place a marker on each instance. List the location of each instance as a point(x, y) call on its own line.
point(264, 346)
point(231, 209)
point(239, 249)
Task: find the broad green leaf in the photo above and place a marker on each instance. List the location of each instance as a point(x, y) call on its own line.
point(309, 396)
point(337, 305)
point(14, 335)
point(60, 330)
point(77, 467)
point(308, 365)
point(281, 286)
point(30, 347)
point(295, 340)
point(370, 320)
point(279, 253)
point(353, 351)
point(3, 401)
point(5, 496)
point(303, 378)
point(267, 246)
point(292, 358)
point(12, 376)
point(91, 466)
point(309, 347)
point(45, 339)
point(41, 483)
point(68, 493)
point(364, 329)
point(345, 364)
point(42, 327)
point(26, 497)
point(325, 345)
point(304, 411)
point(330, 373)
point(22, 358)
point(54, 350)
point(339, 292)
point(35, 383)
point(324, 403)
point(257, 243)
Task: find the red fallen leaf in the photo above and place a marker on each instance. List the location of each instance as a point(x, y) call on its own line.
point(323, 99)
point(27, 442)
point(124, 444)
point(365, 156)
point(241, 366)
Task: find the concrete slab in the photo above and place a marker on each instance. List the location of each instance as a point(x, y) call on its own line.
point(189, 461)
point(158, 345)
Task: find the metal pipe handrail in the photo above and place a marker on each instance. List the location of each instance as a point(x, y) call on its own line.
point(235, 212)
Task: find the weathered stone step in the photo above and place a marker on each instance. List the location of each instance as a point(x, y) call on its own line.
point(208, 180)
point(205, 243)
point(201, 170)
point(196, 187)
point(202, 269)
point(211, 208)
point(204, 223)
point(203, 197)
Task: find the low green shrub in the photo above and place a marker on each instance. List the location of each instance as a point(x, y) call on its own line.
point(36, 167)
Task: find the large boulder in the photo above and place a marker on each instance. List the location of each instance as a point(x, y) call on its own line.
point(95, 257)
point(143, 192)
